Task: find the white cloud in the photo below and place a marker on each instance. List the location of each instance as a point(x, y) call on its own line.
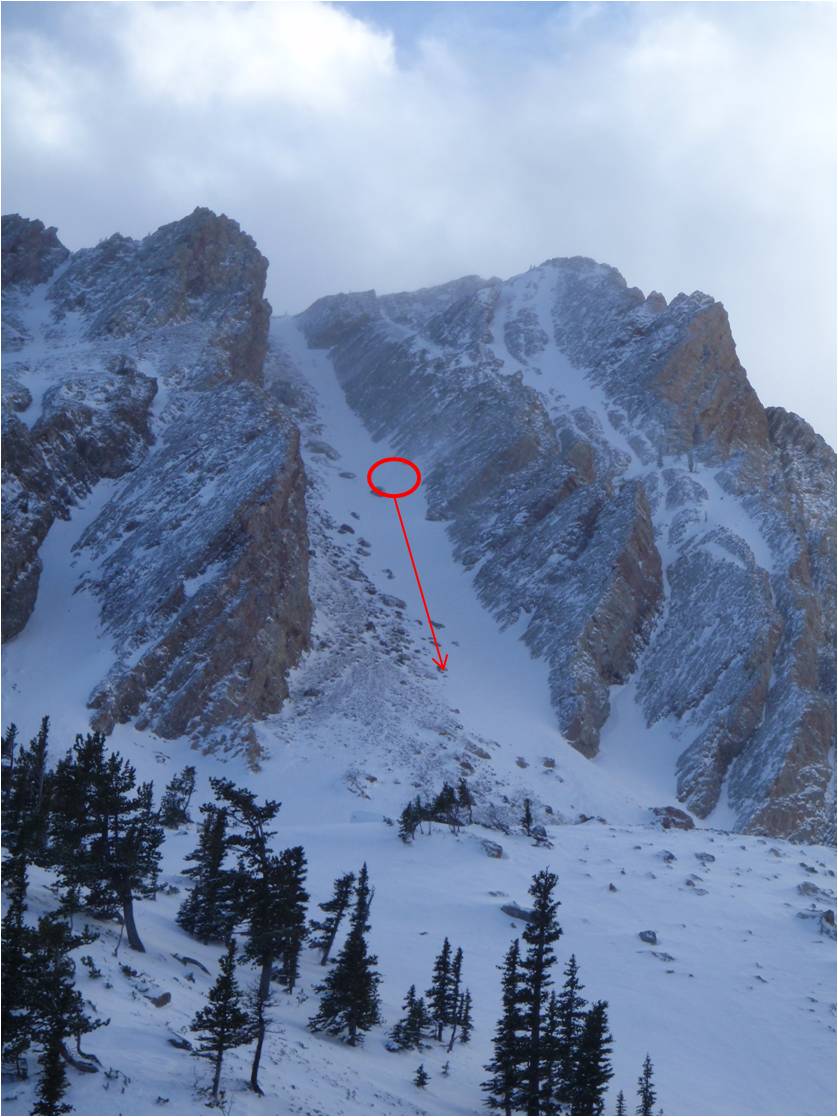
point(691, 146)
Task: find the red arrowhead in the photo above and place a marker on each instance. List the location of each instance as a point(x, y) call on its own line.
point(441, 662)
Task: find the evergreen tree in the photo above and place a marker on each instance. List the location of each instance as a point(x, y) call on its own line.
point(412, 1029)
point(465, 799)
point(292, 904)
point(174, 804)
point(409, 821)
point(541, 933)
point(209, 912)
point(455, 996)
point(551, 1062)
point(325, 931)
point(349, 1002)
point(503, 1087)
point(15, 1004)
point(9, 744)
point(106, 835)
point(422, 1078)
point(259, 886)
point(621, 1104)
point(646, 1093)
point(223, 1023)
point(57, 1008)
point(466, 1022)
point(593, 1069)
point(439, 994)
point(571, 1013)
point(52, 1084)
point(26, 797)
point(526, 818)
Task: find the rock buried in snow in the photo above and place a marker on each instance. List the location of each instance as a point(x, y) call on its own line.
point(667, 855)
point(705, 858)
point(490, 848)
point(648, 936)
point(161, 1001)
point(516, 912)
point(673, 818)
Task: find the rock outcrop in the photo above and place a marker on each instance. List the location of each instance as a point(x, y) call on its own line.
point(610, 474)
point(143, 361)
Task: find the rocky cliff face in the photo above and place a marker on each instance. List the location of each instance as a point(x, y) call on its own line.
point(143, 360)
point(607, 470)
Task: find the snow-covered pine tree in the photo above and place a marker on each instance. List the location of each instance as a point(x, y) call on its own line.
point(571, 1016)
point(646, 1093)
point(174, 803)
point(455, 994)
point(551, 1061)
point(209, 911)
point(223, 1023)
point(593, 1070)
point(324, 932)
point(411, 1030)
point(503, 1088)
point(541, 933)
point(526, 817)
point(349, 1004)
point(438, 996)
point(421, 1078)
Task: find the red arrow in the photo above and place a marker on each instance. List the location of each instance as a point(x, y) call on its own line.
point(440, 660)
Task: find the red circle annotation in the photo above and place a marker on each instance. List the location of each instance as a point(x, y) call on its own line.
point(402, 461)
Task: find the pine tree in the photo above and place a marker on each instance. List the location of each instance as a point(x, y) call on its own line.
point(349, 1002)
point(26, 799)
point(439, 994)
point(621, 1104)
point(174, 804)
point(409, 821)
point(325, 931)
point(503, 1087)
point(526, 818)
point(593, 1069)
point(15, 1004)
point(56, 1006)
point(455, 996)
point(259, 883)
point(541, 933)
point(551, 1062)
point(646, 1093)
point(571, 1013)
point(422, 1078)
point(223, 1023)
point(466, 1022)
point(292, 906)
point(209, 911)
point(52, 1084)
point(106, 837)
point(9, 744)
point(412, 1028)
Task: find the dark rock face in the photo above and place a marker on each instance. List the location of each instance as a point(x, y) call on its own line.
point(31, 252)
point(603, 462)
point(149, 367)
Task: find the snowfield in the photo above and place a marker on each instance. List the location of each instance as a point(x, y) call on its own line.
point(736, 1000)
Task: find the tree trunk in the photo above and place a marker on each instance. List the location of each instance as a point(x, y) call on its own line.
point(134, 940)
point(450, 1047)
point(216, 1081)
point(262, 998)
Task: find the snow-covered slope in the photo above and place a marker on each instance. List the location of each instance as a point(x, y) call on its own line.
point(739, 986)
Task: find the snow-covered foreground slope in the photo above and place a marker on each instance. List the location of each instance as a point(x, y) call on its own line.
point(734, 1002)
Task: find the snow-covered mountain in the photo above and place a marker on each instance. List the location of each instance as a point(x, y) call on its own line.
point(629, 561)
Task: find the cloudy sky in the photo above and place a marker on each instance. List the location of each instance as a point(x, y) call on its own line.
point(399, 145)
